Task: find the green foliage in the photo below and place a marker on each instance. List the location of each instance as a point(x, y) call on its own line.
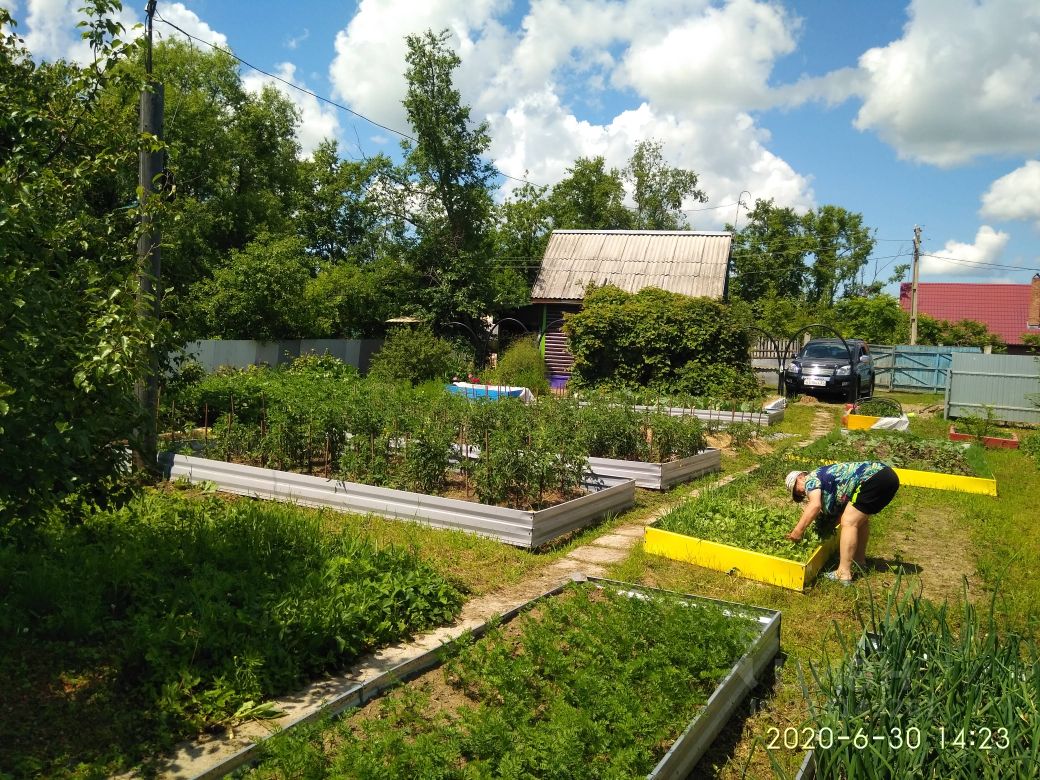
point(964, 333)
point(71, 340)
point(521, 365)
point(979, 426)
point(1030, 445)
point(731, 516)
point(523, 227)
point(591, 684)
point(902, 450)
point(416, 355)
point(609, 427)
point(877, 320)
point(259, 293)
point(660, 340)
point(771, 254)
point(658, 189)
point(931, 693)
point(188, 609)
point(321, 367)
point(590, 197)
point(444, 190)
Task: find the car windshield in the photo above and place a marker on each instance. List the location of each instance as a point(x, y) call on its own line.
point(825, 351)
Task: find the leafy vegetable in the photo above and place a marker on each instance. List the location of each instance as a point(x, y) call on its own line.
point(726, 515)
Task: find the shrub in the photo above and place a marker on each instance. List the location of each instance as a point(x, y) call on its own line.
point(522, 365)
point(662, 340)
point(417, 355)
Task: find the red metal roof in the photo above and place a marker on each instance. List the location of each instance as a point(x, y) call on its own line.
point(1003, 308)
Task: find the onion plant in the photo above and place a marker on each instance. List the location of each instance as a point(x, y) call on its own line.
point(927, 695)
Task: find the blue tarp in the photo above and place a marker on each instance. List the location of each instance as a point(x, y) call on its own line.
point(489, 391)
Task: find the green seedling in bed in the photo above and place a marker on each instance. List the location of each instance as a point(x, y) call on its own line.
point(901, 450)
point(589, 684)
point(929, 696)
point(728, 516)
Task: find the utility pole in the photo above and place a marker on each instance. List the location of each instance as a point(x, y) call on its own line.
point(150, 166)
point(913, 284)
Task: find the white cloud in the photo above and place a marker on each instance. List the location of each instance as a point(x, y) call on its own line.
point(960, 259)
point(189, 21)
point(961, 82)
point(318, 120)
point(368, 69)
point(717, 65)
point(1015, 196)
point(294, 42)
point(50, 35)
point(720, 57)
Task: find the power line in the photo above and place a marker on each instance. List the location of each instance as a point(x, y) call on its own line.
point(980, 263)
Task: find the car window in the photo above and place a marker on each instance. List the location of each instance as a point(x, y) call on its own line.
point(825, 351)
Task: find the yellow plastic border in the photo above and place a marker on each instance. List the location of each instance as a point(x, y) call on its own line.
point(859, 422)
point(744, 563)
point(938, 480)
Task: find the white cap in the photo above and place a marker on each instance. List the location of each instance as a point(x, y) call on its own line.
point(791, 479)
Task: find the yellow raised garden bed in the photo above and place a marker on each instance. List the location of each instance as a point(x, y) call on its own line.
point(734, 560)
point(940, 481)
point(859, 422)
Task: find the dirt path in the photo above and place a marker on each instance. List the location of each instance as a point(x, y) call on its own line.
point(929, 544)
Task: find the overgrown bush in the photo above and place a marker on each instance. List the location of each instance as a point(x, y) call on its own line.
point(521, 365)
point(661, 340)
point(417, 355)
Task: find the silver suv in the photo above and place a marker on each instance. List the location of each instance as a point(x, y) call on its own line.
point(825, 366)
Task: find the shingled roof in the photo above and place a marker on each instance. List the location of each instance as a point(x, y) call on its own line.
point(686, 262)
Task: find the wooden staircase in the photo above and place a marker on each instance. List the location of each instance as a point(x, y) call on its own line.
point(557, 356)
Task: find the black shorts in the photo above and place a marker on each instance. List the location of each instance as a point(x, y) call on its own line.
point(877, 492)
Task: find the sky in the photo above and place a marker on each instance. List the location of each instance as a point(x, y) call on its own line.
point(922, 113)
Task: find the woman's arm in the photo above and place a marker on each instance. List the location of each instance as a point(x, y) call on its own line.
point(813, 506)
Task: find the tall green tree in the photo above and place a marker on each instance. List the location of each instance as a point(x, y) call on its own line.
point(258, 292)
point(658, 189)
point(840, 244)
point(71, 341)
point(769, 254)
point(444, 191)
point(815, 257)
point(232, 163)
point(338, 217)
point(590, 197)
point(523, 229)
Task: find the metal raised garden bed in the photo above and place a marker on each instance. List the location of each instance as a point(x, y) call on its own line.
point(656, 476)
point(749, 564)
point(771, 414)
point(524, 528)
point(684, 753)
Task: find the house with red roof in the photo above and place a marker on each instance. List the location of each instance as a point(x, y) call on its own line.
point(1009, 310)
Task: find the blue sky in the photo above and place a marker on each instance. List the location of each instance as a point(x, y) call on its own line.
point(925, 112)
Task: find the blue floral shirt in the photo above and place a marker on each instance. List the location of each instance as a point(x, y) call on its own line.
point(839, 483)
